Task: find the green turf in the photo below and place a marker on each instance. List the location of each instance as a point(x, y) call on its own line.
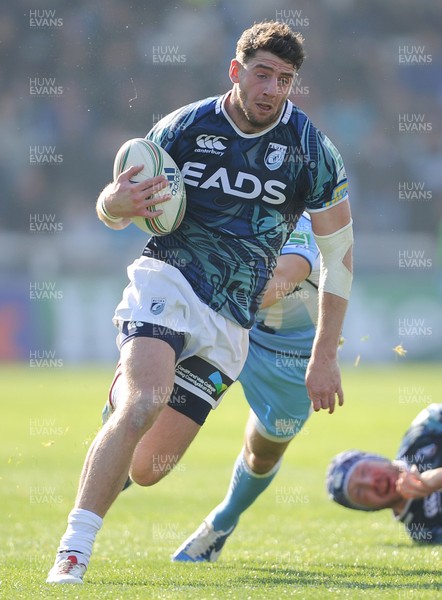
point(292, 542)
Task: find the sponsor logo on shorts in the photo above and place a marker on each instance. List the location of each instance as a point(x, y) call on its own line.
point(157, 305)
point(217, 381)
point(200, 375)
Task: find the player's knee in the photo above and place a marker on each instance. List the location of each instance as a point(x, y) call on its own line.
point(139, 413)
point(261, 463)
point(146, 476)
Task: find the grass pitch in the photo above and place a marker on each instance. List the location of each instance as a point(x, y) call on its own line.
point(292, 542)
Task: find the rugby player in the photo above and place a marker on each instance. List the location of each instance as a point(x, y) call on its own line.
point(252, 163)
point(410, 485)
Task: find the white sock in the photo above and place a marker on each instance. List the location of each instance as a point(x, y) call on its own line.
point(83, 526)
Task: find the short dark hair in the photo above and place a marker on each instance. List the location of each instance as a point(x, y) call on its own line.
point(274, 37)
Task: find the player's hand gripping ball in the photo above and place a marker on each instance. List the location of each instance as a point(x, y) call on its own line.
point(156, 161)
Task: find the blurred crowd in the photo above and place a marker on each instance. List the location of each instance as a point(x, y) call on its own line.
point(79, 78)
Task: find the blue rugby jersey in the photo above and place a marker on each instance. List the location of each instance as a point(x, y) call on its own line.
point(245, 193)
point(422, 446)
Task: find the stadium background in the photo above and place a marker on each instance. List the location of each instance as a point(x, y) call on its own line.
point(78, 79)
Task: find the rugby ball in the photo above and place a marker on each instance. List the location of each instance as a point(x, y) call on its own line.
point(156, 161)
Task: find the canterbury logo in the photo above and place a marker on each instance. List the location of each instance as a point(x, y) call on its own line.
point(211, 142)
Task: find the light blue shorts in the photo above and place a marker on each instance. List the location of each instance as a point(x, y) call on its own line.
point(274, 386)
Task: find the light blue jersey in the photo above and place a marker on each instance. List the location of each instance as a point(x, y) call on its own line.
point(245, 194)
point(280, 346)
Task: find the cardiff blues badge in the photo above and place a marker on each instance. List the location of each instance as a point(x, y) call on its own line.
point(157, 305)
point(274, 156)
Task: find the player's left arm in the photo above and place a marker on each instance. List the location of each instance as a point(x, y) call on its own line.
point(334, 236)
point(290, 270)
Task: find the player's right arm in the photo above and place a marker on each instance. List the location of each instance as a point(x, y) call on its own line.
point(121, 199)
point(290, 270)
point(294, 264)
point(412, 484)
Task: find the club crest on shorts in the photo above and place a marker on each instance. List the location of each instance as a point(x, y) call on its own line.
point(157, 305)
point(274, 156)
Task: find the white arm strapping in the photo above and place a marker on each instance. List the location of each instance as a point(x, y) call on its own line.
point(335, 278)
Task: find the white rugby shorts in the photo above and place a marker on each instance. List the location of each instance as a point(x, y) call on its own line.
point(159, 294)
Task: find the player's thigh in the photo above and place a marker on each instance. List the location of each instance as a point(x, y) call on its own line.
point(276, 393)
point(261, 454)
point(148, 371)
point(162, 447)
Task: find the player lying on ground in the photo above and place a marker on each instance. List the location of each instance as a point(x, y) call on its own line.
point(411, 485)
point(185, 316)
point(273, 380)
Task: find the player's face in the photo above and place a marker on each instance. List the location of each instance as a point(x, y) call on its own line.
point(262, 85)
point(373, 484)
